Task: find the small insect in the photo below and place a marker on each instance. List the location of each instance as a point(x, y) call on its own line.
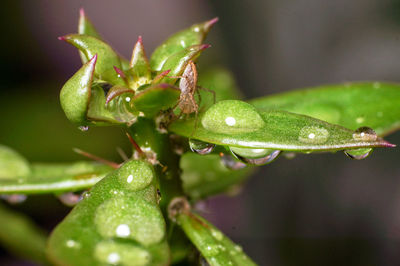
point(188, 87)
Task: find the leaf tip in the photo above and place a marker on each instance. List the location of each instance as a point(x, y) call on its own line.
point(62, 38)
point(119, 71)
point(82, 12)
point(211, 22)
point(205, 46)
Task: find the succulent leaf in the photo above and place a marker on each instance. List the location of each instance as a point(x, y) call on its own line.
point(193, 35)
point(139, 72)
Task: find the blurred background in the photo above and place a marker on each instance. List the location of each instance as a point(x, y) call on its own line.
point(311, 210)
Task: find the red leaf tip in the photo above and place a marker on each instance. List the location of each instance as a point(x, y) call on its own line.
point(211, 22)
point(119, 71)
point(81, 12)
point(140, 40)
point(94, 59)
point(205, 46)
point(62, 38)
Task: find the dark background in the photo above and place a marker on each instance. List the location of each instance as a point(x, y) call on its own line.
point(311, 210)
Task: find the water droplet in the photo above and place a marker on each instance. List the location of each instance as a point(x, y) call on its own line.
point(358, 154)
point(365, 134)
point(232, 116)
point(238, 248)
point(360, 120)
point(255, 156)
point(83, 128)
point(229, 162)
point(123, 230)
point(86, 194)
point(128, 99)
point(201, 147)
point(72, 244)
point(113, 253)
point(136, 175)
point(14, 198)
point(70, 198)
point(122, 214)
point(211, 250)
point(217, 234)
point(313, 135)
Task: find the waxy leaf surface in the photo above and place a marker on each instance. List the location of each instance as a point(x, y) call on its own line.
point(107, 57)
point(213, 245)
point(238, 124)
point(351, 105)
point(191, 36)
point(117, 222)
point(52, 178)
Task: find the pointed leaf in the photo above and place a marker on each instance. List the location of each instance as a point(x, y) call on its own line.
point(139, 72)
point(204, 176)
point(52, 178)
point(118, 222)
point(350, 105)
point(156, 98)
point(177, 62)
point(107, 57)
point(12, 164)
point(238, 124)
point(215, 247)
point(76, 92)
point(86, 27)
point(21, 236)
point(191, 36)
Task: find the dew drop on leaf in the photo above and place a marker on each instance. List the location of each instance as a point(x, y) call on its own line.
point(255, 156)
point(365, 134)
point(135, 175)
point(14, 198)
point(229, 162)
point(70, 198)
point(113, 253)
point(232, 116)
point(201, 147)
point(83, 128)
point(217, 234)
point(358, 154)
point(313, 135)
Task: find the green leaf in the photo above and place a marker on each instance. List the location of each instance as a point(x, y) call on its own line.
point(53, 178)
point(139, 72)
point(21, 236)
point(205, 175)
point(215, 247)
point(156, 98)
point(12, 164)
point(350, 105)
point(191, 36)
point(107, 57)
point(118, 222)
point(177, 62)
point(76, 92)
point(239, 124)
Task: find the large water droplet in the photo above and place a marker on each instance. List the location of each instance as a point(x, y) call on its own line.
point(358, 154)
point(313, 135)
point(132, 218)
point(14, 198)
point(365, 134)
point(232, 116)
point(201, 147)
point(135, 175)
point(217, 234)
point(70, 198)
point(255, 156)
point(229, 162)
point(113, 253)
point(83, 128)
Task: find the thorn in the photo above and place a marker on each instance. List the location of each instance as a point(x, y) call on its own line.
point(136, 146)
point(62, 38)
point(81, 12)
point(94, 59)
point(205, 46)
point(119, 72)
point(140, 40)
point(211, 22)
point(388, 144)
point(96, 158)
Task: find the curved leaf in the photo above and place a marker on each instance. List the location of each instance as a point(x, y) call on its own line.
point(204, 176)
point(118, 222)
point(21, 236)
point(215, 247)
point(107, 57)
point(350, 105)
point(177, 62)
point(238, 124)
point(76, 92)
point(52, 178)
point(181, 40)
point(12, 164)
point(156, 98)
